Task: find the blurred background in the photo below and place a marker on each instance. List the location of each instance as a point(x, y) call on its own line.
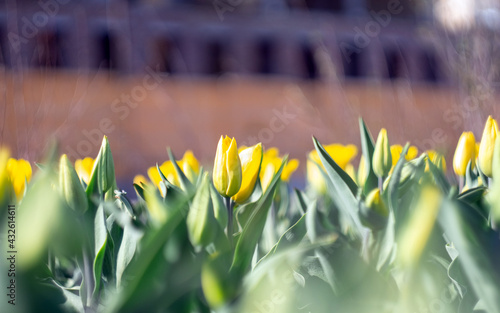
point(179, 73)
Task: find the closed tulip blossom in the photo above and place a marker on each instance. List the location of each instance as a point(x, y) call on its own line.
point(83, 168)
point(227, 174)
point(251, 159)
point(271, 162)
point(382, 158)
point(465, 153)
point(487, 146)
point(20, 173)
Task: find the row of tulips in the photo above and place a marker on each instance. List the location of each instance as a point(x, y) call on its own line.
point(393, 235)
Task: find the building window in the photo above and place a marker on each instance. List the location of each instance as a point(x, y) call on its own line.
point(105, 51)
point(430, 66)
point(265, 50)
point(310, 62)
point(351, 63)
point(215, 58)
point(320, 5)
point(166, 50)
point(394, 64)
point(48, 52)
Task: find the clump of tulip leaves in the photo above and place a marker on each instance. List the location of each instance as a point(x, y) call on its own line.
point(403, 241)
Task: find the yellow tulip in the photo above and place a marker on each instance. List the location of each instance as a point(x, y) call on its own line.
point(168, 169)
point(465, 153)
point(140, 180)
point(271, 162)
point(341, 154)
point(19, 173)
point(382, 158)
point(251, 159)
point(84, 168)
point(5, 185)
point(190, 166)
point(487, 146)
point(396, 151)
point(436, 158)
point(416, 234)
point(227, 168)
point(362, 171)
point(349, 169)
point(375, 203)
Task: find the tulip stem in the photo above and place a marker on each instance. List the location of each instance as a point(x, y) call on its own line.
point(229, 206)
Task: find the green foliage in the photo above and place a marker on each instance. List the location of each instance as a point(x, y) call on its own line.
point(410, 242)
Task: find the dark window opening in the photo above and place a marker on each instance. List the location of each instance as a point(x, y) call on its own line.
point(166, 51)
point(106, 56)
point(351, 60)
point(264, 57)
point(215, 58)
point(311, 68)
point(395, 64)
point(430, 67)
point(48, 52)
point(324, 5)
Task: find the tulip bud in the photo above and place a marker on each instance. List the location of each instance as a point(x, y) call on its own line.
point(84, 168)
point(19, 173)
point(227, 167)
point(362, 171)
point(465, 153)
point(105, 168)
point(374, 213)
point(396, 151)
point(437, 159)
point(251, 159)
point(487, 146)
point(71, 187)
point(190, 166)
point(416, 234)
point(201, 222)
point(382, 159)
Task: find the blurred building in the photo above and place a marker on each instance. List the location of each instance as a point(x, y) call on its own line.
point(294, 38)
point(230, 67)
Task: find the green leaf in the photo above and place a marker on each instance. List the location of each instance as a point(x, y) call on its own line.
point(474, 242)
point(126, 251)
point(344, 188)
point(100, 239)
point(367, 146)
point(439, 177)
point(290, 238)
point(252, 230)
point(393, 189)
point(185, 183)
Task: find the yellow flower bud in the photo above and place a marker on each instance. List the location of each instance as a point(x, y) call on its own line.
point(19, 173)
point(105, 168)
point(84, 168)
point(227, 167)
point(271, 162)
point(251, 159)
point(341, 154)
point(416, 234)
point(70, 186)
point(140, 179)
point(436, 158)
point(465, 153)
point(290, 167)
point(362, 171)
point(375, 203)
point(487, 146)
point(396, 151)
point(382, 159)
point(190, 166)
